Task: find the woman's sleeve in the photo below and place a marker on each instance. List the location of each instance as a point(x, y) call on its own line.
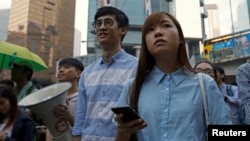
point(217, 109)
point(124, 97)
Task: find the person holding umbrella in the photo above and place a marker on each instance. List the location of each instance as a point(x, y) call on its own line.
point(21, 74)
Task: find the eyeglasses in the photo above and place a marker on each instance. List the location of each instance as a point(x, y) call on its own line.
point(206, 71)
point(107, 23)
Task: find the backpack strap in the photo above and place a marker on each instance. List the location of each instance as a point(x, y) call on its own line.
point(229, 90)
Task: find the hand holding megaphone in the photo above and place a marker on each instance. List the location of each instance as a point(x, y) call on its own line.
point(63, 112)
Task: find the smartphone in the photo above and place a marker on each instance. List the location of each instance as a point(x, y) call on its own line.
point(128, 113)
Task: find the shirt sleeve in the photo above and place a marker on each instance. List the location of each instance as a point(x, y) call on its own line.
point(81, 109)
point(217, 108)
point(124, 97)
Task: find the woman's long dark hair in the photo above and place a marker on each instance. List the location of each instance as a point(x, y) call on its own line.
point(147, 62)
point(9, 93)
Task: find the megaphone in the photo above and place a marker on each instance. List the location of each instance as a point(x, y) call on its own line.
point(42, 102)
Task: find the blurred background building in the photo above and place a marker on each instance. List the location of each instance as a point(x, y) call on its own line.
point(230, 49)
point(49, 28)
point(212, 21)
point(46, 27)
point(137, 11)
point(4, 16)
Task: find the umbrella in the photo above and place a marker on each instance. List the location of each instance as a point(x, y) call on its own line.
point(11, 53)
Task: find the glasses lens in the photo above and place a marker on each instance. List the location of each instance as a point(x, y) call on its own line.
point(207, 71)
point(198, 70)
point(107, 23)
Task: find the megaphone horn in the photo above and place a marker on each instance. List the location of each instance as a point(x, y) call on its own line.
point(42, 102)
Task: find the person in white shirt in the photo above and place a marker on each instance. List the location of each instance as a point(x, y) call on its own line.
point(70, 70)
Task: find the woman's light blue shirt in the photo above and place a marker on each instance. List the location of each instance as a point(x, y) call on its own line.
point(172, 106)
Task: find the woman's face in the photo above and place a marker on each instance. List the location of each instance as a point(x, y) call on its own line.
point(205, 68)
point(163, 38)
point(4, 105)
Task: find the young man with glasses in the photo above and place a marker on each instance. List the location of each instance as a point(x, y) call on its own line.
point(102, 81)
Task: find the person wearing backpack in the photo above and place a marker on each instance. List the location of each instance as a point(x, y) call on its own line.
point(230, 94)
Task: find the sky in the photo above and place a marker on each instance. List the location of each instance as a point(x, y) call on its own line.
point(4, 4)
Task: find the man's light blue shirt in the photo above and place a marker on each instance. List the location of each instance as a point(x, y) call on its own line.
point(100, 87)
point(233, 102)
point(172, 106)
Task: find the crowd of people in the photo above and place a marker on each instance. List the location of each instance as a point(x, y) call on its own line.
point(161, 76)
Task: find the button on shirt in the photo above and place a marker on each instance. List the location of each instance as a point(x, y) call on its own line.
point(175, 112)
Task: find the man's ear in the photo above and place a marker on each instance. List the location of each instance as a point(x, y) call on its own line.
point(223, 75)
point(124, 30)
point(78, 74)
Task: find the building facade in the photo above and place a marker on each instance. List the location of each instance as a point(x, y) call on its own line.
point(212, 22)
point(46, 27)
point(138, 10)
point(4, 16)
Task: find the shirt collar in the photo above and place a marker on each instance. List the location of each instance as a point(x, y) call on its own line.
point(115, 57)
point(178, 76)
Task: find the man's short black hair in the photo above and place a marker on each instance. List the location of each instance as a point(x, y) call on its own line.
point(26, 69)
point(72, 62)
point(220, 70)
point(120, 16)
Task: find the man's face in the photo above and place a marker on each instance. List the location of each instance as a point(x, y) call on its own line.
point(68, 73)
point(205, 68)
point(107, 30)
point(18, 73)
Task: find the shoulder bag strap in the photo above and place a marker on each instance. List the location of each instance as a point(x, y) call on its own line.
point(204, 98)
point(229, 90)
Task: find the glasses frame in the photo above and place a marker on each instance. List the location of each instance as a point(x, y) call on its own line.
point(108, 23)
point(207, 71)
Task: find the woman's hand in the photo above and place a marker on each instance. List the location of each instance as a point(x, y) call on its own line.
point(126, 129)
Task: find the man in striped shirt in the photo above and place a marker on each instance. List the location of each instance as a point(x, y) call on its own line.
point(102, 81)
